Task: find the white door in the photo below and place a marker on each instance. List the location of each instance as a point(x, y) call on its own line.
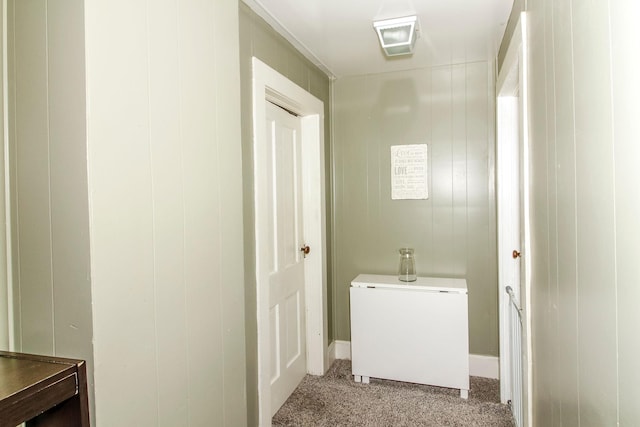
point(511, 244)
point(286, 263)
point(514, 228)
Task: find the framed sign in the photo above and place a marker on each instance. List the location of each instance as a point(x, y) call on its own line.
point(409, 172)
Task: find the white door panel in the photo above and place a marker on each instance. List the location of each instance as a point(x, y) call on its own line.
point(286, 278)
point(514, 227)
point(309, 337)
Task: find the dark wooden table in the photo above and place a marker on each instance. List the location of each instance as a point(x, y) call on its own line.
point(43, 391)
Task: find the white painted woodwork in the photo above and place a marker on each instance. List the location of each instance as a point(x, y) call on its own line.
point(513, 209)
point(286, 278)
point(273, 86)
point(479, 365)
point(484, 366)
point(508, 183)
point(410, 331)
point(525, 222)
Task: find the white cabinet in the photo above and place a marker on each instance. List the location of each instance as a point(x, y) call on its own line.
point(410, 331)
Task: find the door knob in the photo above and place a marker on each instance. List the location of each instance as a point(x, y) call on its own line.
point(305, 250)
point(515, 254)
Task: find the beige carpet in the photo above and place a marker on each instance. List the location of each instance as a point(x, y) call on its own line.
point(336, 400)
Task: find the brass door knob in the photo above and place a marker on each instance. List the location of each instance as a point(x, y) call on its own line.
point(305, 250)
point(515, 254)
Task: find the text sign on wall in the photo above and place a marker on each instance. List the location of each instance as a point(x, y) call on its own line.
point(409, 172)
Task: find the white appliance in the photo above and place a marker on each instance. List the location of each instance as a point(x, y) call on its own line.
point(410, 331)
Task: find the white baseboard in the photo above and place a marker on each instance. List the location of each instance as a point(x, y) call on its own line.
point(343, 349)
point(339, 350)
point(479, 365)
point(484, 366)
point(331, 355)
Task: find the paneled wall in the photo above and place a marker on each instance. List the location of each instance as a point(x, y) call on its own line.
point(258, 39)
point(585, 209)
point(48, 176)
point(450, 108)
point(165, 182)
point(5, 292)
point(141, 166)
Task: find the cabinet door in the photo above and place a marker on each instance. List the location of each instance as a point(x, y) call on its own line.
point(410, 335)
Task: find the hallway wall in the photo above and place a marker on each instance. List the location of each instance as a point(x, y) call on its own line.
point(5, 287)
point(450, 108)
point(165, 184)
point(48, 178)
point(126, 190)
point(585, 104)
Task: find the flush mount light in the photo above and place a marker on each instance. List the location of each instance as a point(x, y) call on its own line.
point(397, 36)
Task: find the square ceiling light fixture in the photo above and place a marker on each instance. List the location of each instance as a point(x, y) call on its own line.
point(397, 36)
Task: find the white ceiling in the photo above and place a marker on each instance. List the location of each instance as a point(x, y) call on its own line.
point(338, 35)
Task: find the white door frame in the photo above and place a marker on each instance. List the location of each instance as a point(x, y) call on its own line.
point(513, 81)
point(272, 86)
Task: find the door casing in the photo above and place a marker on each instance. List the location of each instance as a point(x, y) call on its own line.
point(272, 86)
point(513, 139)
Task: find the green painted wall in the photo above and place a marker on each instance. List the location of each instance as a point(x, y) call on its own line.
point(5, 312)
point(49, 200)
point(450, 108)
point(258, 39)
point(585, 104)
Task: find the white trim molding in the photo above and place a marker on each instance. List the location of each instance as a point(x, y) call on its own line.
point(269, 85)
point(484, 366)
point(339, 350)
point(479, 365)
point(512, 101)
point(262, 12)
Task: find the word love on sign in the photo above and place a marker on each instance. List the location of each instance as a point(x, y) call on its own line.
point(409, 172)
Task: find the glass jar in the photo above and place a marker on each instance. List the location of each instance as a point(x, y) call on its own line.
point(407, 270)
